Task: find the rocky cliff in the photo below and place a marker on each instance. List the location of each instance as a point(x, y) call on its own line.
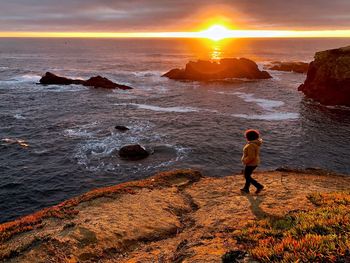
point(177, 216)
point(328, 77)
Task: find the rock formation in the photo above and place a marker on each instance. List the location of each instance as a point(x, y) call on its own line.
point(133, 152)
point(96, 82)
point(226, 68)
point(297, 67)
point(328, 77)
point(121, 128)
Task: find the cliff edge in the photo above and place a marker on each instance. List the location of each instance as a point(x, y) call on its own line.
point(177, 216)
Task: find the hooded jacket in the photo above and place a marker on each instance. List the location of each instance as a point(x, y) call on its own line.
point(251, 153)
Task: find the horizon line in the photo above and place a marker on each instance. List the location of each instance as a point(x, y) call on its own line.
point(201, 35)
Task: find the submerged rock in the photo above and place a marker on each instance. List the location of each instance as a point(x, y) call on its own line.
point(328, 77)
point(226, 68)
point(121, 128)
point(133, 152)
point(96, 82)
point(297, 67)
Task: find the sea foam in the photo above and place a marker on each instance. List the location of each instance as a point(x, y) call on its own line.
point(273, 116)
point(179, 109)
point(266, 104)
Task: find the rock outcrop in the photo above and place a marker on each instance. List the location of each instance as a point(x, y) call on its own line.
point(297, 67)
point(133, 152)
point(96, 82)
point(177, 216)
point(328, 77)
point(225, 69)
point(121, 128)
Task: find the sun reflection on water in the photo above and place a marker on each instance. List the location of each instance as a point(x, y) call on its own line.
point(216, 52)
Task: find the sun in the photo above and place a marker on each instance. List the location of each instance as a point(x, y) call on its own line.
point(216, 33)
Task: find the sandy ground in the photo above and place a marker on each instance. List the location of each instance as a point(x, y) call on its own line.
point(177, 216)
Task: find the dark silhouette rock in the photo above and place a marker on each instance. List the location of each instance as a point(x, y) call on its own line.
point(133, 152)
point(101, 82)
point(121, 128)
point(96, 82)
point(328, 77)
point(297, 67)
point(226, 68)
point(52, 79)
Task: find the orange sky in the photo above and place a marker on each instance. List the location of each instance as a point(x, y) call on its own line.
point(180, 18)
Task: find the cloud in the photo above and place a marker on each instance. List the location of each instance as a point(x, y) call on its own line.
point(165, 15)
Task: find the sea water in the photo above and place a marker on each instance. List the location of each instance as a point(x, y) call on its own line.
point(73, 145)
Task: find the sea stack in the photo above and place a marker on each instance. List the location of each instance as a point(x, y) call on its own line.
point(328, 77)
point(95, 82)
point(226, 68)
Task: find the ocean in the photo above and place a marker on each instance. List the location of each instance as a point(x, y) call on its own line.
point(73, 145)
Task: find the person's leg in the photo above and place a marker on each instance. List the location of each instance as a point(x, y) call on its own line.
point(248, 170)
point(254, 182)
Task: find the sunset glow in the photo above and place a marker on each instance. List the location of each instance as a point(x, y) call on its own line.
point(214, 32)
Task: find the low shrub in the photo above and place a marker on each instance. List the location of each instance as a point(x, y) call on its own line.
point(318, 235)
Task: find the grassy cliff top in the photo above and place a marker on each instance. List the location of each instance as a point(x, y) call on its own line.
point(180, 216)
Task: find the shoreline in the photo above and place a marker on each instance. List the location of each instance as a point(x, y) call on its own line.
point(172, 215)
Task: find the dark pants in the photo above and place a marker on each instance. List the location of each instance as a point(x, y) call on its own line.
point(248, 170)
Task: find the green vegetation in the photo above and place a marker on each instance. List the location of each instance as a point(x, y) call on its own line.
point(319, 235)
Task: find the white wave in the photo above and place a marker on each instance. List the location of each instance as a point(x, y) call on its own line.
point(64, 88)
point(27, 78)
point(148, 73)
point(263, 103)
point(273, 116)
point(77, 133)
point(81, 131)
point(19, 117)
point(178, 109)
point(3, 68)
point(266, 104)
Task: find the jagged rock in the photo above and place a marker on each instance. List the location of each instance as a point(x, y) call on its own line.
point(133, 152)
point(328, 77)
point(52, 79)
point(96, 82)
point(297, 67)
point(226, 68)
point(121, 128)
point(100, 82)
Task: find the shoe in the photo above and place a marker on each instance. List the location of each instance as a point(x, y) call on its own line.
point(245, 191)
point(259, 189)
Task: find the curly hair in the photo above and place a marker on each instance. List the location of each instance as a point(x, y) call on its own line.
point(252, 135)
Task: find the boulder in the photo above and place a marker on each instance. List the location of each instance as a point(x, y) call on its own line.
point(133, 152)
point(328, 77)
point(224, 69)
point(297, 67)
point(96, 82)
point(121, 128)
